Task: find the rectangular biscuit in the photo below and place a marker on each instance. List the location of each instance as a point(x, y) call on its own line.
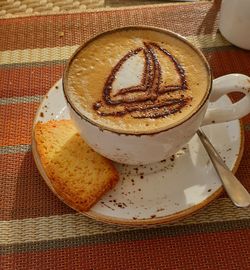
point(78, 174)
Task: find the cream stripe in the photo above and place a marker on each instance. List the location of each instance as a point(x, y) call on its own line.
point(208, 41)
point(76, 225)
point(63, 53)
point(15, 149)
point(24, 99)
point(36, 55)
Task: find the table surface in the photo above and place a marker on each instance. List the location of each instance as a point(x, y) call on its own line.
point(37, 230)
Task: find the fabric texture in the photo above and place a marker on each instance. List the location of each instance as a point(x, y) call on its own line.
point(38, 231)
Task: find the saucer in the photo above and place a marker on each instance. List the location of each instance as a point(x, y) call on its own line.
point(163, 191)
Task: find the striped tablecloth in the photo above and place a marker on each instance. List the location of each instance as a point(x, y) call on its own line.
point(37, 231)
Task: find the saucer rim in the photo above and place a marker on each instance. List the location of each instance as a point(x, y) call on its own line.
point(133, 222)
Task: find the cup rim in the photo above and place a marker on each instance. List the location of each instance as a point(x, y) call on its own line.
point(137, 27)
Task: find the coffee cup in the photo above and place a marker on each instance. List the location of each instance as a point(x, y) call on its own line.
point(234, 23)
point(137, 94)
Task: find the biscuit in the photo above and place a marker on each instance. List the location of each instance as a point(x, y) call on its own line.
point(78, 174)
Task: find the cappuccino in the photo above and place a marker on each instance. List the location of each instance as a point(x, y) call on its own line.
point(137, 80)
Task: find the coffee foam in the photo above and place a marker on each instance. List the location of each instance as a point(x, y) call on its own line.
point(90, 71)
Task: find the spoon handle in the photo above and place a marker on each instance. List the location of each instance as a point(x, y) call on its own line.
point(235, 190)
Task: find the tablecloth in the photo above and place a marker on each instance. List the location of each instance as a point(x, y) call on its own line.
point(38, 231)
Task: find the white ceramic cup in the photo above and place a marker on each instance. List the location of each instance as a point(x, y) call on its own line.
point(149, 148)
point(234, 22)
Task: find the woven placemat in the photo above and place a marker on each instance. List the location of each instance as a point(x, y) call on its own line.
point(37, 230)
point(15, 8)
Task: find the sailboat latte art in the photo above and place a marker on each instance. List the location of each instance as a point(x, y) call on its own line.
point(136, 80)
point(151, 98)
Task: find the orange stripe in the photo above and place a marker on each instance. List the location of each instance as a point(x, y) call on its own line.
point(17, 121)
point(23, 193)
point(44, 31)
point(29, 81)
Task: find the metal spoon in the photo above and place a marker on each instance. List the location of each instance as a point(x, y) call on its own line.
point(235, 190)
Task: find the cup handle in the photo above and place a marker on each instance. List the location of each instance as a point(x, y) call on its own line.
point(224, 85)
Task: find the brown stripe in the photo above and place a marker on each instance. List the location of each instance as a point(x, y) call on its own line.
point(42, 64)
point(23, 193)
point(189, 247)
point(45, 31)
point(29, 80)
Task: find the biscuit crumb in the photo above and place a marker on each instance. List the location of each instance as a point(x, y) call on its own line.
point(61, 34)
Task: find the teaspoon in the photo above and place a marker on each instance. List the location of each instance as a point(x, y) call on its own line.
point(235, 190)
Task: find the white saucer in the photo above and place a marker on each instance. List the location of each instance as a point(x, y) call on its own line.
point(160, 192)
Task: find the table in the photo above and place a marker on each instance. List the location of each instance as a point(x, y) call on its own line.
point(37, 230)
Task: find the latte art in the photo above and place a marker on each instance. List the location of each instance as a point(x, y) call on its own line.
point(149, 99)
point(136, 80)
